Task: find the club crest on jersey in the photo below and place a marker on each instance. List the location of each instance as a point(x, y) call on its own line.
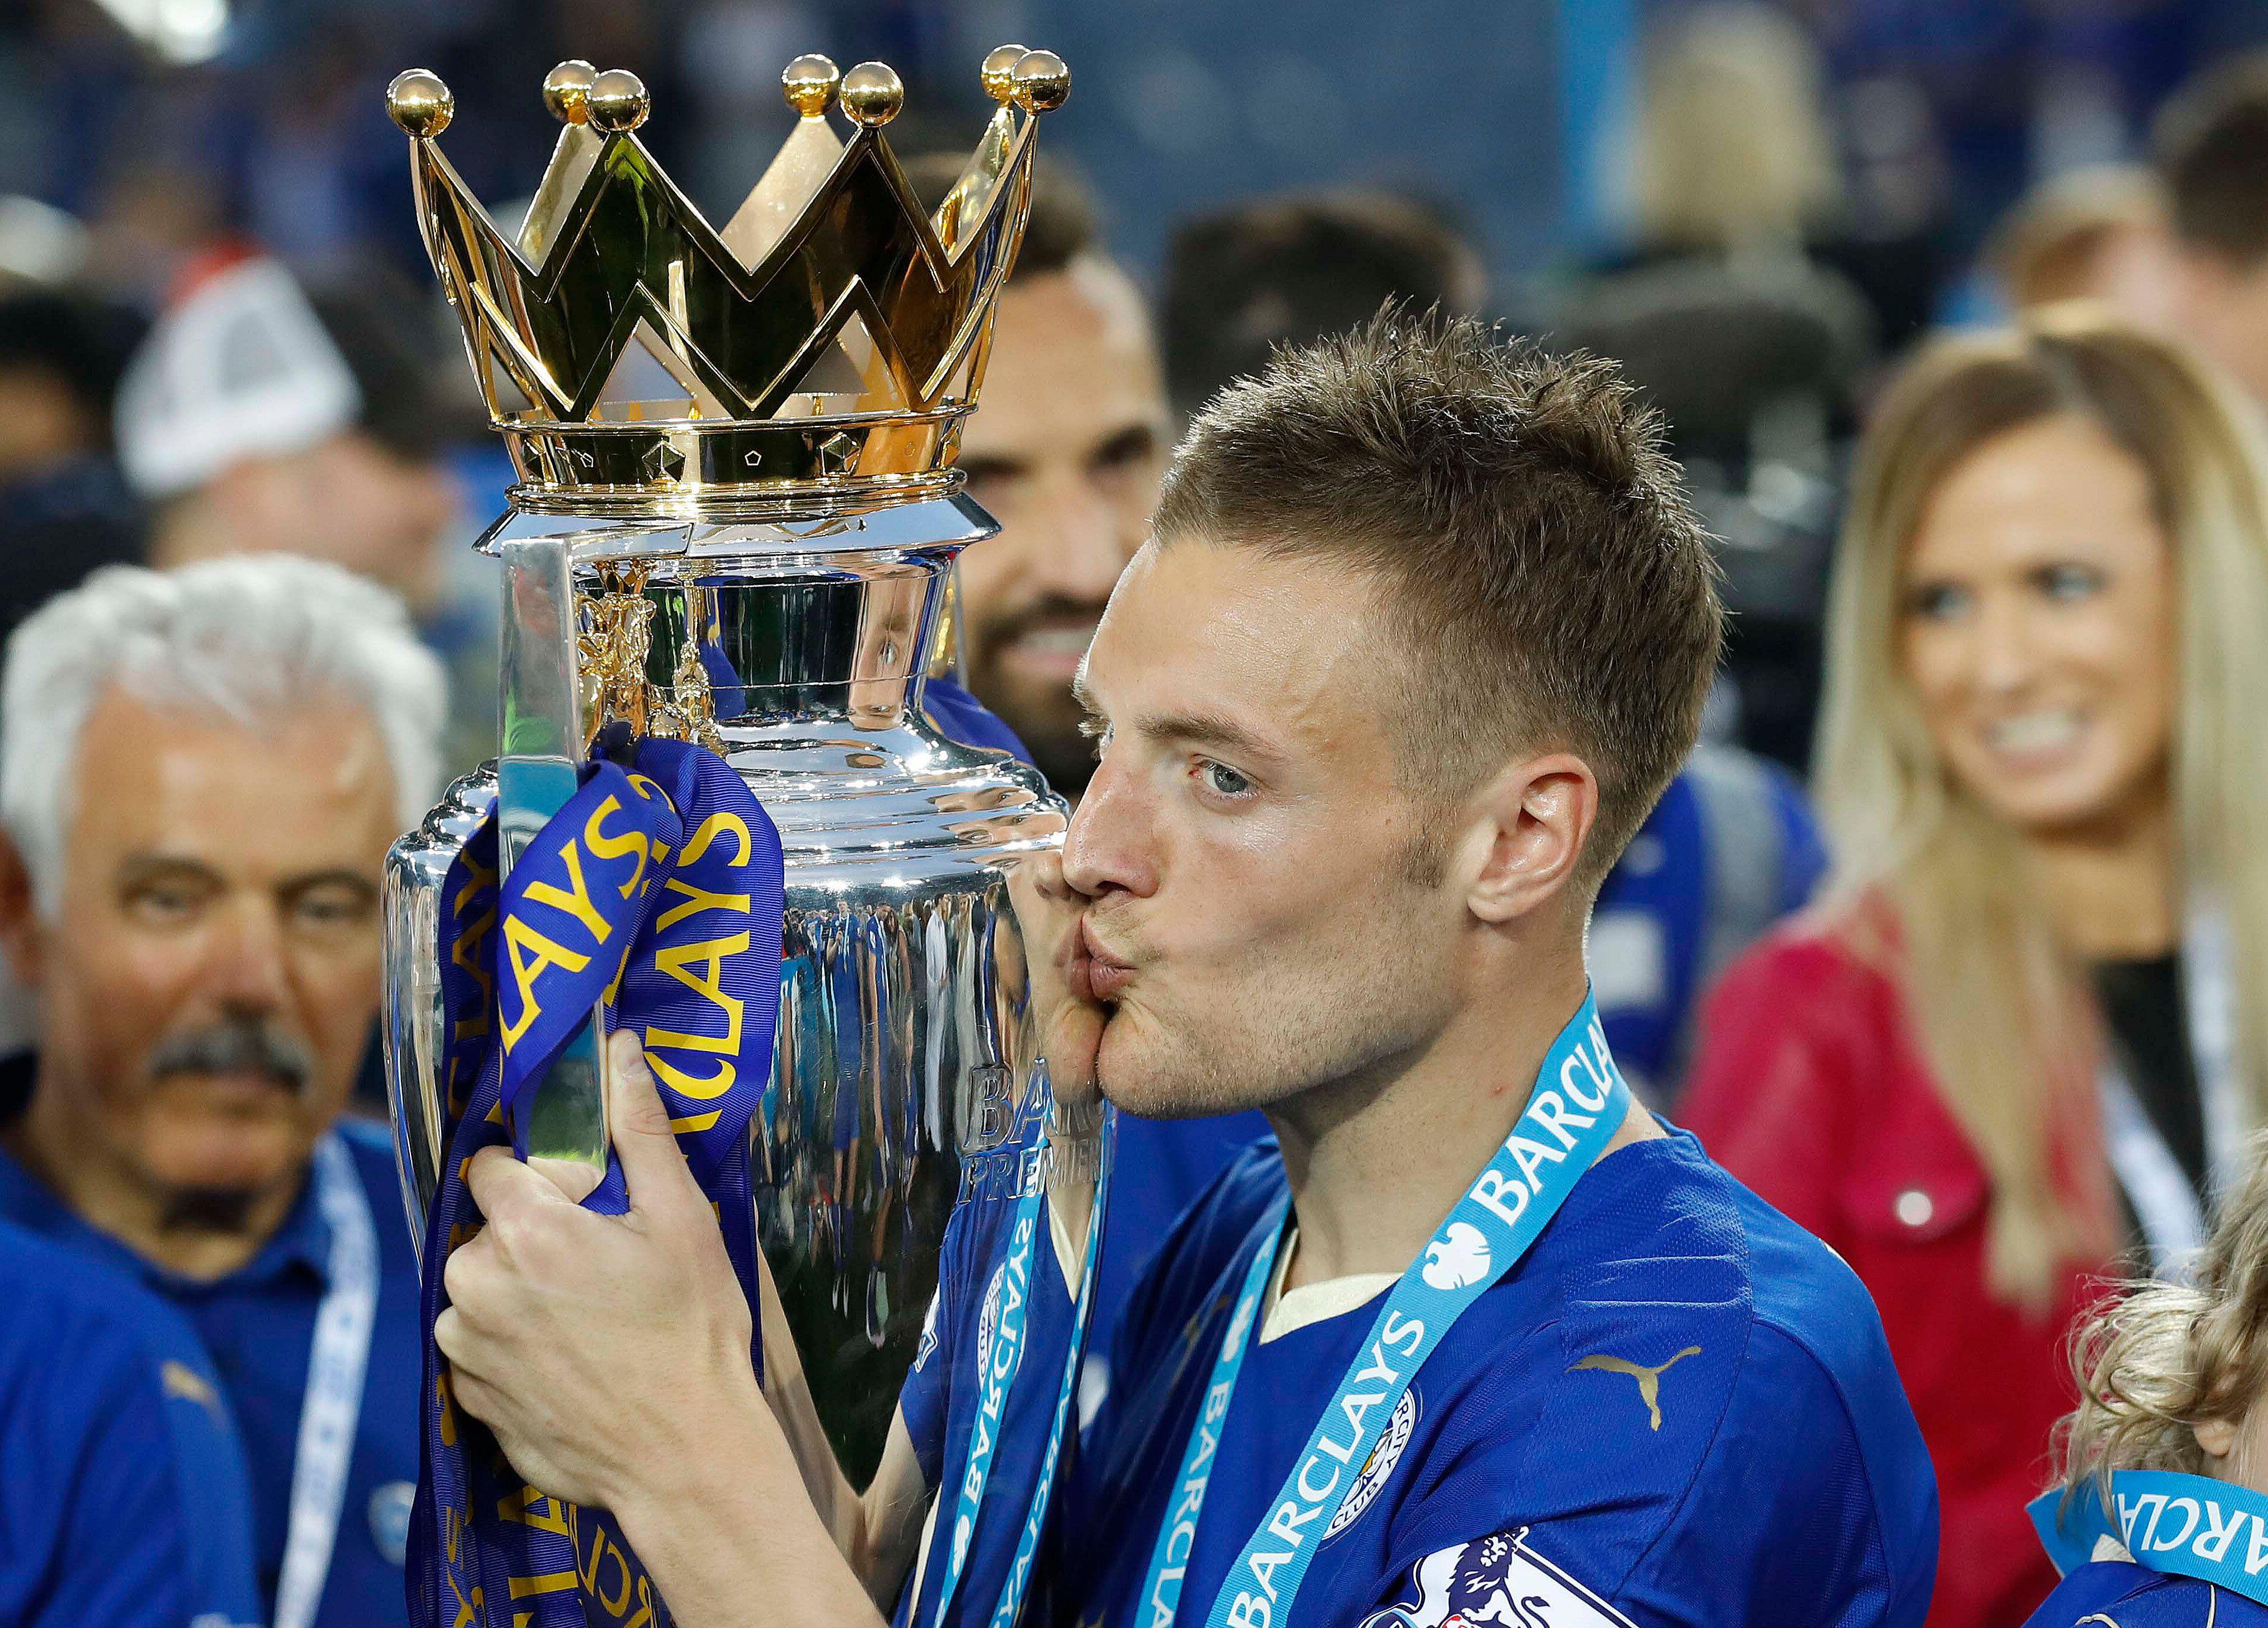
point(1456, 1259)
point(1497, 1579)
point(1378, 1466)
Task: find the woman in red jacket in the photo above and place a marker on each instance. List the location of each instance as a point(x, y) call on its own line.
point(2026, 1029)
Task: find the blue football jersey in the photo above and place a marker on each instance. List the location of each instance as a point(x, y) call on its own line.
point(1677, 1408)
point(2127, 1596)
point(942, 1398)
point(123, 1496)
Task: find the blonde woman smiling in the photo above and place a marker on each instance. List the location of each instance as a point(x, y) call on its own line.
point(2026, 1028)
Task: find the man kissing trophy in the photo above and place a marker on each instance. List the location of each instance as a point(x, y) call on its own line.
point(725, 819)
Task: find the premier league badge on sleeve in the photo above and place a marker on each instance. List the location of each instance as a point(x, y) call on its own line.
point(1498, 1580)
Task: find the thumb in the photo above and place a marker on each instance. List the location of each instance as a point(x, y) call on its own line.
point(653, 1166)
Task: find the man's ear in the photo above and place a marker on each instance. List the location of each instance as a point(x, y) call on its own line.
point(1530, 827)
point(20, 927)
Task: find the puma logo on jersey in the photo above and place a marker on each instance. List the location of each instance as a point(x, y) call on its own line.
point(1649, 1379)
point(181, 1380)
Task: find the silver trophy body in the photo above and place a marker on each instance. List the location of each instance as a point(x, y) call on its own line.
point(905, 1045)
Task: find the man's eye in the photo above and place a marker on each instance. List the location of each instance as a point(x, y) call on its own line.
point(1095, 730)
point(1222, 780)
point(162, 904)
point(332, 907)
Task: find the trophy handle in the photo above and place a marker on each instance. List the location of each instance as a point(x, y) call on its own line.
point(564, 1120)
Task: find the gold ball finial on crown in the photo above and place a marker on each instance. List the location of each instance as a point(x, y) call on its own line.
point(1041, 81)
point(999, 72)
point(420, 103)
point(873, 94)
point(810, 83)
point(618, 101)
point(567, 91)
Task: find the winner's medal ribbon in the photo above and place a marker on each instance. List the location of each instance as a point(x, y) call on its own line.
point(1577, 1103)
point(2180, 1525)
point(656, 894)
point(997, 1377)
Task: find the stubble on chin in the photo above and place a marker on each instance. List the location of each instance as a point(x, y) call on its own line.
point(1154, 1067)
point(1254, 1046)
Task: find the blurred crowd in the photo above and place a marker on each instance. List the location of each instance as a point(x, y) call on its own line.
point(1951, 940)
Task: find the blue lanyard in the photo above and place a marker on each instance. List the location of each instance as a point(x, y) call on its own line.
point(996, 1377)
point(2185, 1526)
point(1577, 1106)
point(1170, 1560)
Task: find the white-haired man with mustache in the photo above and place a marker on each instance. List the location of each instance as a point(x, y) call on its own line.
point(200, 773)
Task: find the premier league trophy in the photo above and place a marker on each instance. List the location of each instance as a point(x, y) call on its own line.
point(734, 526)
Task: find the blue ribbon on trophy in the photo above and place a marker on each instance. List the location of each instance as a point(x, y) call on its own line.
point(656, 894)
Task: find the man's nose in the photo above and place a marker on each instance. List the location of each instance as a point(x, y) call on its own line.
point(1081, 544)
point(1111, 845)
point(248, 964)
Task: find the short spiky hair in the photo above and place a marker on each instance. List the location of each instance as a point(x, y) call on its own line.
point(1552, 586)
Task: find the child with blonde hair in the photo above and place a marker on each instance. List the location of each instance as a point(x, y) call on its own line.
point(2161, 1514)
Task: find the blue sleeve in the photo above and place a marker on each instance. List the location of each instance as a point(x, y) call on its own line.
point(1802, 849)
point(1817, 1503)
point(214, 1486)
point(122, 1493)
point(925, 1399)
point(958, 716)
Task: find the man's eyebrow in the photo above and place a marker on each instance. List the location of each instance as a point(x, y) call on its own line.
point(1205, 729)
point(975, 464)
point(1193, 728)
point(142, 867)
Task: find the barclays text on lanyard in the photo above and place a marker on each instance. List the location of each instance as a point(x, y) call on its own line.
point(1578, 1104)
point(2180, 1525)
point(657, 893)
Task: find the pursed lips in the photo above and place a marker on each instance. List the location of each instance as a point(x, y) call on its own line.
point(1104, 974)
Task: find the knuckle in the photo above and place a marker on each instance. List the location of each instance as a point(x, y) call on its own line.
point(509, 1235)
point(472, 1396)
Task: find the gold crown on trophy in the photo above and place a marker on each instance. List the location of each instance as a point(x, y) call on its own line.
point(824, 345)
